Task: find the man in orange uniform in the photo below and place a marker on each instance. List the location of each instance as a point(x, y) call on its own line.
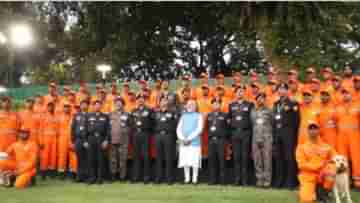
point(29, 119)
point(356, 90)
point(328, 75)
point(186, 85)
point(205, 107)
point(48, 134)
point(336, 96)
point(293, 75)
point(9, 124)
point(225, 101)
point(39, 106)
point(309, 112)
point(271, 93)
point(198, 92)
point(348, 78)
point(82, 93)
point(220, 81)
point(64, 140)
point(253, 91)
point(125, 91)
point(22, 160)
point(295, 92)
point(155, 94)
point(130, 104)
point(315, 85)
point(348, 142)
point(53, 94)
point(327, 119)
point(313, 158)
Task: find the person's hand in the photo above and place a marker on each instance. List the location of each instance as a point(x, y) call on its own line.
point(86, 145)
point(104, 145)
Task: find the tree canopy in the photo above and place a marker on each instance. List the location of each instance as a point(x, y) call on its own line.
point(153, 40)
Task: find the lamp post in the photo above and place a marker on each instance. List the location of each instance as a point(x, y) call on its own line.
point(19, 37)
point(103, 69)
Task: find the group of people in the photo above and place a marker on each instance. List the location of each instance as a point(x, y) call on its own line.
point(284, 125)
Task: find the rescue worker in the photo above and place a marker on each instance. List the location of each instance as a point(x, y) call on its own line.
point(220, 82)
point(327, 74)
point(356, 90)
point(121, 129)
point(63, 141)
point(22, 160)
point(155, 94)
point(48, 134)
point(143, 120)
point(204, 81)
point(253, 91)
point(336, 96)
point(29, 119)
point(39, 106)
point(130, 103)
point(310, 75)
point(312, 158)
point(295, 92)
point(9, 124)
point(241, 134)
point(82, 94)
point(186, 86)
point(286, 118)
point(165, 141)
point(79, 138)
point(348, 78)
point(204, 107)
point(327, 119)
point(309, 113)
point(53, 94)
point(262, 140)
point(125, 92)
point(218, 133)
point(348, 126)
point(99, 137)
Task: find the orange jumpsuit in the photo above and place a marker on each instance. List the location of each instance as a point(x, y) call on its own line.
point(198, 93)
point(205, 107)
point(336, 97)
point(23, 160)
point(30, 120)
point(309, 114)
point(327, 122)
point(9, 124)
point(348, 83)
point(154, 97)
point(63, 141)
point(48, 134)
point(312, 159)
point(348, 142)
point(39, 108)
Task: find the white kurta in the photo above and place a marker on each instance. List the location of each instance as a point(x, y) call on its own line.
point(190, 155)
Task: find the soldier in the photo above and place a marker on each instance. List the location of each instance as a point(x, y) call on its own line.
point(261, 117)
point(98, 138)
point(241, 132)
point(143, 119)
point(79, 138)
point(165, 140)
point(286, 125)
point(121, 126)
point(217, 128)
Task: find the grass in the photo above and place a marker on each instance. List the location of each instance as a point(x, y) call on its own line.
point(53, 191)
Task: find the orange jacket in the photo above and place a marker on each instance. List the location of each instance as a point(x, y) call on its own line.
point(30, 120)
point(311, 158)
point(309, 114)
point(348, 83)
point(327, 122)
point(25, 153)
point(348, 117)
point(130, 106)
point(198, 93)
point(204, 104)
point(64, 124)
point(49, 126)
point(9, 125)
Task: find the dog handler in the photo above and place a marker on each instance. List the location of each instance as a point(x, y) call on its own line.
point(23, 159)
point(313, 158)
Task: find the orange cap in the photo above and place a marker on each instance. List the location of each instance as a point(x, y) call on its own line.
point(307, 91)
point(255, 84)
point(310, 70)
point(293, 72)
point(315, 80)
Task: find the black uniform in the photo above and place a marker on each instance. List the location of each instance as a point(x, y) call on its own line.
point(79, 136)
point(143, 120)
point(217, 128)
point(99, 132)
point(165, 143)
point(286, 121)
point(241, 133)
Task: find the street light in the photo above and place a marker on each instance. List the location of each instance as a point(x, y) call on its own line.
point(103, 69)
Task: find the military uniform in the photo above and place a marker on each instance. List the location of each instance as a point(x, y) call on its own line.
point(121, 126)
point(165, 143)
point(241, 133)
point(217, 128)
point(143, 121)
point(99, 132)
point(286, 125)
point(262, 142)
point(79, 136)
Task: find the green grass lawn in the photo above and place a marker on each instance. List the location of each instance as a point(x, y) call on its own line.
point(68, 192)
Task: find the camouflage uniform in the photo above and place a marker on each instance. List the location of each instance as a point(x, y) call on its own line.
point(262, 144)
point(120, 132)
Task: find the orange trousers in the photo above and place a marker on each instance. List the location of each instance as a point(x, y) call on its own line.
point(72, 161)
point(329, 136)
point(62, 153)
point(22, 180)
point(6, 140)
point(48, 153)
point(309, 182)
point(348, 145)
